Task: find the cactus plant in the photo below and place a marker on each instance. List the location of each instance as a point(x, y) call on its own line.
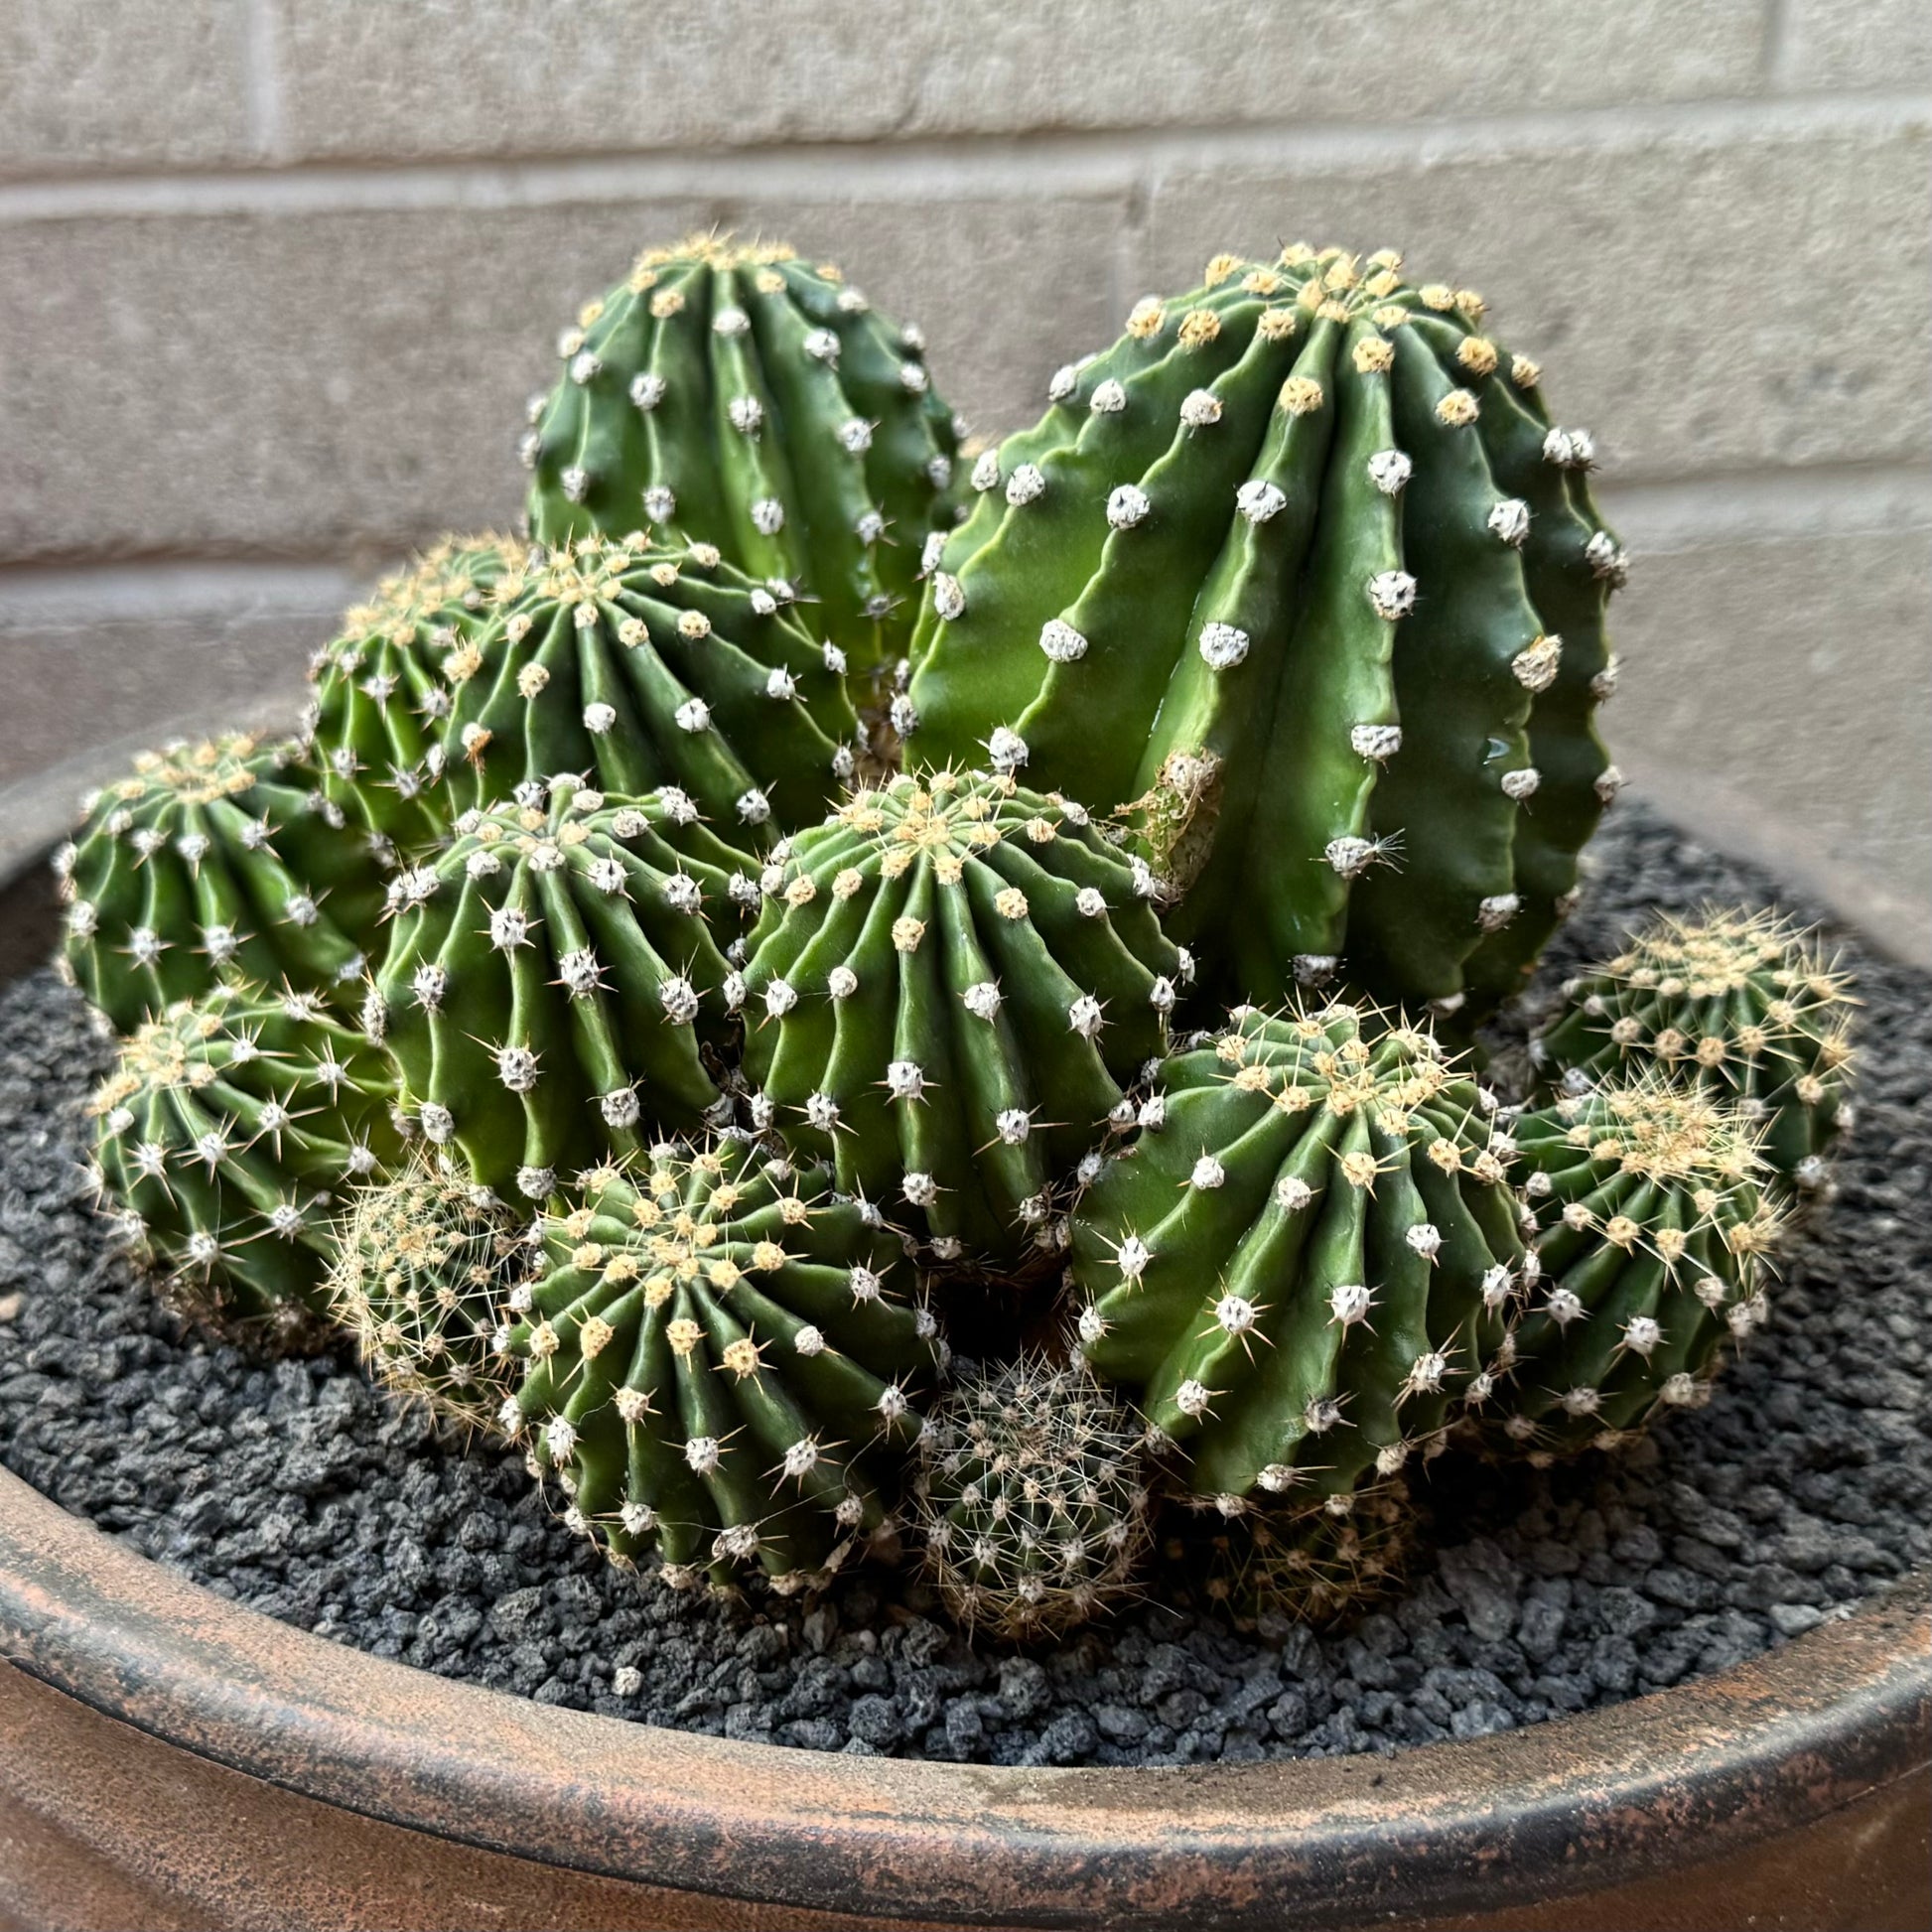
point(425, 1266)
point(211, 858)
point(948, 989)
point(643, 666)
point(1308, 1254)
point(229, 1133)
point(1743, 1005)
point(718, 1357)
point(376, 719)
point(1649, 1258)
point(1318, 1564)
point(547, 976)
point(1032, 1499)
point(1299, 570)
point(733, 394)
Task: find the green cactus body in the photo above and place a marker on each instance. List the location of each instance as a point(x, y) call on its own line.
point(1648, 1261)
point(1032, 1499)
point(547, 983)
point(947, 991)
point(212, 858)
point(736, 395)
point(1306, 1257)
point(1281, 572)
point(376, 719)
point(227, 1135)
point(644, 666)
point(1743, 1005)
point(422, 1279)
point(719, 1358)
point(1312, 1565)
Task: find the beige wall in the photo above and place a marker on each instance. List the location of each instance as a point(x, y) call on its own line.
point(276, 276)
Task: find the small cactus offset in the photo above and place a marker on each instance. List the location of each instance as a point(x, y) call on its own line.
point(950, 985)
point(733, 394)
point(1318, 1564)
point(1299, 570)
point(209, 859)
point(644, 666)
point(228, 1137)
point(1741, 1004)
point(423, 1275)
point(1306, 1257)
point(1031, 1499)
point(718, 1358)
point(547, 982)
point(376, 719)
point(1649, 1259)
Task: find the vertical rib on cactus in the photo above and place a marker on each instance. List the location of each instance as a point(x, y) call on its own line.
point(1649, 1260)
point(230, 1130)
point(374, 722)
point(1306, 1258)
point(736, 395)
point(422, 1279)
point(718, 1357)
point(1743, 1005)
point(1032, 1499)
point(643, 666)
point(1281, 571)
point(948, 989)
point(548, 977)
point(211, 858)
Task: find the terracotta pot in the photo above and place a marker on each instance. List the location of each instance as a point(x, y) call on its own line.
point(170, 1760)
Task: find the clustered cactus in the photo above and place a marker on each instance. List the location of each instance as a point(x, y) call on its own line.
point(590, 1018)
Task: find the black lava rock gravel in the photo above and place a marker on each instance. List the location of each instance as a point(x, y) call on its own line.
point(291, 1486)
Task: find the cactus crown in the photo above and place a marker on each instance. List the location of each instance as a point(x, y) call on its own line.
point(1031, 1499)
point(644, 666)
point(1307, 1254)
point(228, 1132)
point(736, 394)
point(714, 1348)
point(211, 858)
point(425, 1267)
point(1653, 1235)
point(948, 988)
point(374, 720)
point(1298, 569)
point(549, 976)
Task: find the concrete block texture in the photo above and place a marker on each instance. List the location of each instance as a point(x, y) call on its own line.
point(1670, 286)
point(297, 383)
point(1876, 43)
point(489, 76)
point(88, 85)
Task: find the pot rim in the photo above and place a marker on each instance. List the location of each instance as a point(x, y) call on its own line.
point(1646, 1786)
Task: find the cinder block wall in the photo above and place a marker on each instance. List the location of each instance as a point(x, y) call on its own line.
point(276, 277)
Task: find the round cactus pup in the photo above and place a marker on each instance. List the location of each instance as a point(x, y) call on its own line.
point(951, 982)
point(1031, 1499)
point(209, 859)
point(1307, 1256)
point(1318, 1564)
point(228, 1136)
point(734, 394)
point(718, 1357)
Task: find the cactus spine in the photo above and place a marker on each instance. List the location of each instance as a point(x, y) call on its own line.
point(646, 666)
point(739, 397)
point(1316, 1565)
point(1031, 1500)
point(228, 1135)
point(718, 1358)
point(1741, 1004)
point(547, 976)
point(1306, 1258)
point(212, 858)
point(376, 719)
point(1301, 571)
point(952, 981)
point(425, 1266)
point(1649, 1258)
